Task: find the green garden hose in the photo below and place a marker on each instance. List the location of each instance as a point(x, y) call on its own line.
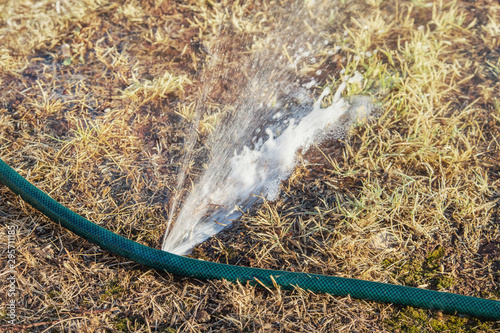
point(160, 260)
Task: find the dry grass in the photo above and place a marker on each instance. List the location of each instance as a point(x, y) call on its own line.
point(97, 98)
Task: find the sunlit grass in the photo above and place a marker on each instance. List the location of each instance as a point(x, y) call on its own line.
point(98, 97)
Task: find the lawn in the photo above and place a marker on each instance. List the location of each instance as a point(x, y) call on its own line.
point(99, 101)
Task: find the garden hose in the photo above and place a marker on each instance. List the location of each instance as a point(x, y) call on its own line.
point(184, 266)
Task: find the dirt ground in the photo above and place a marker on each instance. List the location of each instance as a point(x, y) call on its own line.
point(97, 100)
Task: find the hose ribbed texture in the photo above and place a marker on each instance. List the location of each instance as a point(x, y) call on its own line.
point(160, 260)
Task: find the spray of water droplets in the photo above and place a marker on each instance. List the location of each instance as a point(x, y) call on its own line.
point(254, 148)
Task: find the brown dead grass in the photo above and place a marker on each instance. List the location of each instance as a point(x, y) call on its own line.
point(96, 101)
